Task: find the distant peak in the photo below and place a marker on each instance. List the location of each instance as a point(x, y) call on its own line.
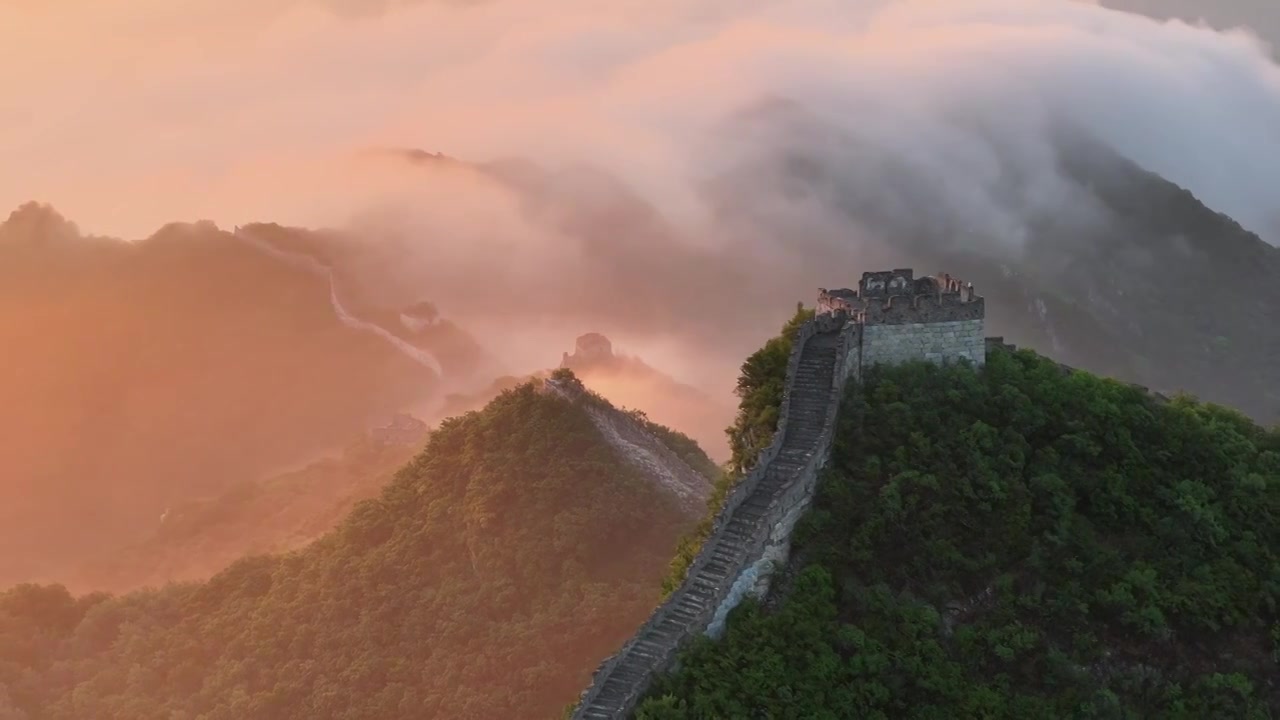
point(35, 219)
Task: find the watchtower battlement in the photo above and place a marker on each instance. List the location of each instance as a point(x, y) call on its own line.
point(900, 317)
point(897, 297)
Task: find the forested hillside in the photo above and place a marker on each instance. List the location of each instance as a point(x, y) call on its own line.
point(1016, 543)
point(484, 582)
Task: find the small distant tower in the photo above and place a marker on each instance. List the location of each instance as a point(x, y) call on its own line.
point(589, 349)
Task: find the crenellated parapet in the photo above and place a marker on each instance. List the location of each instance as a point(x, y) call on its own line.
point(897, 297)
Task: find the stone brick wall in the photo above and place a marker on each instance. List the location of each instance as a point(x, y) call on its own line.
point(852, 338)
point(772, 545)
point(935, 342)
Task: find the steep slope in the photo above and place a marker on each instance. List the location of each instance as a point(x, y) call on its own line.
point(136, 375)
point(1016, 542)
point(484, 582)
point(1162, 291)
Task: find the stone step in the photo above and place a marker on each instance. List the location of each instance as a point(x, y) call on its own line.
point(704, 588)
point(683, 615)
point(803, 404)
point(728, 556)
point(733, 547)
point(690, 603)
point(628, 674)
point(720, 543)
point(811, 405)
point(789, 465)
point(701, 595)
point(616, 689)
point(715, 569)
point(648, 648)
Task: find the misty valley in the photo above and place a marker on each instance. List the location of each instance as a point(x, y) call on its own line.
point(380, 361)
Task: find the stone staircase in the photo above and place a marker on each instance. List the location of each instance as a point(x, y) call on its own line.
point(739, 538)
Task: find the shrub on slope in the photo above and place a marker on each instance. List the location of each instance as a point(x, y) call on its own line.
point(1017, 543)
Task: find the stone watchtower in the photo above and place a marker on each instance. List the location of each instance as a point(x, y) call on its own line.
point(895, 317)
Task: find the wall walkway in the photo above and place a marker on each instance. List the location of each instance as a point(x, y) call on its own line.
point(752, 531)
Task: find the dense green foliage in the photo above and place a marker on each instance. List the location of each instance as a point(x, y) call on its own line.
point(760, 385)
point(484, 582)
point(1017, 542)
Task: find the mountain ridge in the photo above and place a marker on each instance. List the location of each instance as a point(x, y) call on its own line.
point(435, 609)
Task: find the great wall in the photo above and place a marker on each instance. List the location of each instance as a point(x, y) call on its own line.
point(892, 317)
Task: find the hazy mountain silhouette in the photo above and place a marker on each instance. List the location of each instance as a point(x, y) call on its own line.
point(140, 374)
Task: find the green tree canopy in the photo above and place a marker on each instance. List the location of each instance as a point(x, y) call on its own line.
point(1016, 542)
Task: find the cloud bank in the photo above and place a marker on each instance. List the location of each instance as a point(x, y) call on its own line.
point(680, 127)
